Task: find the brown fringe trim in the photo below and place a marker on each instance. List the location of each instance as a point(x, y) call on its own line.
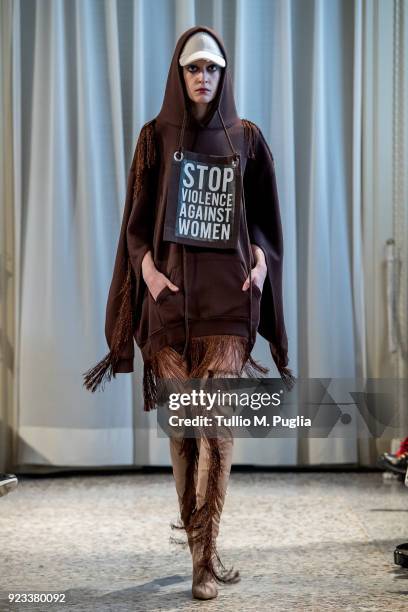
point(217, 352)
point(149, 387)
point(103, 371)
point(286, 374)
point(222, 353)
point(145, 156)
point(190, 451)
point(250, 130)
point(288, 378)
point(200, 526)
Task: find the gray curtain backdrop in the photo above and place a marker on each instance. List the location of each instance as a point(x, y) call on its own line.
point(325, 81)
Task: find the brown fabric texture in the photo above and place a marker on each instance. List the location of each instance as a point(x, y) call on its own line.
point(210, 301)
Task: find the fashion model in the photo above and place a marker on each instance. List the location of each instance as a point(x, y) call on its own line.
point(198, 271)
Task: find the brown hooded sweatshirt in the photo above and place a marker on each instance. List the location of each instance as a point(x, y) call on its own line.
point(210, 301)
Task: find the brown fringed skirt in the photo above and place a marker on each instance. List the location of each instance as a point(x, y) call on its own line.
point(210, 356)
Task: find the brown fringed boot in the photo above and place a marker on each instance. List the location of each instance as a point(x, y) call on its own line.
point(201, 470)
point(202, 541)
point(184, 458)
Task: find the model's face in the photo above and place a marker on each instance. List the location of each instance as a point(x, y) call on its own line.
point(201, 79)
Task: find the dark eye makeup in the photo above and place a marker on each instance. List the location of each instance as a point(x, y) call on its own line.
point(193, 68)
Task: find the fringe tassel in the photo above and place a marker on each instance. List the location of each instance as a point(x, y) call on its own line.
point(223, 353)
point(190, 451)
point(149, 387)
point(253, 368)
point(145, 156)
point(98, 375)
point(249, 135)
point(287, 377)
point(285, 373)
point(104, 370)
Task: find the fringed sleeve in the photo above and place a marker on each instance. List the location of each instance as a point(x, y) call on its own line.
point(140, 227)
point(135, 239)
point(265, 230)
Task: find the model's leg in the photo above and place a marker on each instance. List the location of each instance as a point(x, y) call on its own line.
point(204, 585)
point(225, 446)
point(201, 470)
point(214, 456)
point(182, 464)
point(183, 452)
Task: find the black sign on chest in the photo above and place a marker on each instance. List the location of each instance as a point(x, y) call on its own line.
point(204, 202)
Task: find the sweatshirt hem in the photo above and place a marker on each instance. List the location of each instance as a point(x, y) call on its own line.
point(173, 335)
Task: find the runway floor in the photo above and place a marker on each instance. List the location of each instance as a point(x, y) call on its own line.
point(309, 541)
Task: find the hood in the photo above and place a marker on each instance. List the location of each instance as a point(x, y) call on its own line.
point(176, 99)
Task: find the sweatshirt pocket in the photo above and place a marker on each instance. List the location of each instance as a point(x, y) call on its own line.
point(170, 304)
point(215, 286)
point(256, 291)
point(256, 304)
point(167, 309)
point(149, 321)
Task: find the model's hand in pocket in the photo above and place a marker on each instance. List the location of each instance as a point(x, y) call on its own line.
point(156, 281)
point(258, 275)
point(259, 272)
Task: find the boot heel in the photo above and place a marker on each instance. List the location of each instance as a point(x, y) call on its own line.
point(205, 590)
point(204, 585)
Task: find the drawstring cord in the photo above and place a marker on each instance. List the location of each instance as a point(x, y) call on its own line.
point(227, 135)
point(178, 156)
